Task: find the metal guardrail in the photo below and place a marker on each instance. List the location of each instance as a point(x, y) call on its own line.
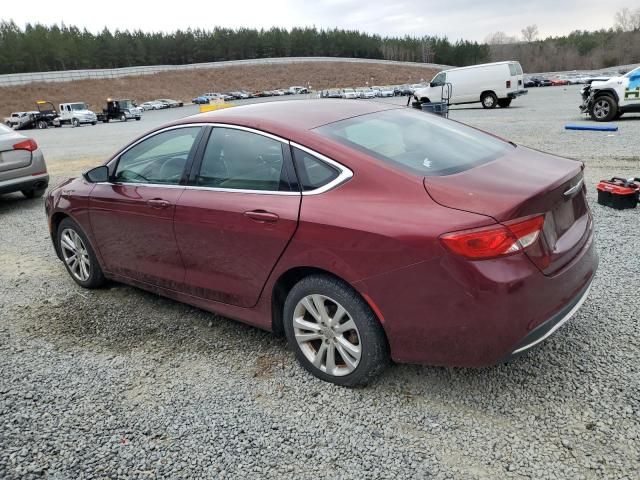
point(71, 75)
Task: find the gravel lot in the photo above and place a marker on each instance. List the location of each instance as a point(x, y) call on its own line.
point(120, 383)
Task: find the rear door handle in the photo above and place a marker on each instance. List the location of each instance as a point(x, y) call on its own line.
point(262, 216)
point(158, 203)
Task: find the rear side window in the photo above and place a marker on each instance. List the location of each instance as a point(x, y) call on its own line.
point(421, 143)
point(313, 172)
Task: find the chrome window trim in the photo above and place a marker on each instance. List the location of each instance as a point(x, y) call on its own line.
point(117, 156)
point(344, 175)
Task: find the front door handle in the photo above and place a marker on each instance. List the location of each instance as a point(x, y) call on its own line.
point(158, 203)
point(262, 216)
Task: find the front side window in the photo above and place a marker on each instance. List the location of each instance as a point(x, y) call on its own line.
point(512, 69)
point(439, 79)
point(241, 160)
point(423, 144)
point(159, 159)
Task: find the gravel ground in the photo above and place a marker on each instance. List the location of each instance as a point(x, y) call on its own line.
point(120, 383)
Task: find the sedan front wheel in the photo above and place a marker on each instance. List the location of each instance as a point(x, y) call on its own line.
point(333, 332)
point(78, 255)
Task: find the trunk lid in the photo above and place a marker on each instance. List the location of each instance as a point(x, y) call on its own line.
point(523, 183)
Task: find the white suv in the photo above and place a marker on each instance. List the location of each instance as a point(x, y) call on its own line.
point(608, 100)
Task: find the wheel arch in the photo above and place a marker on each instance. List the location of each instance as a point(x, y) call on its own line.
point(289, 278)
point(485, 92)
point(607, 91)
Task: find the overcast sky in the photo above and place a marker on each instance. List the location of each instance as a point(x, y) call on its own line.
point(467, 19)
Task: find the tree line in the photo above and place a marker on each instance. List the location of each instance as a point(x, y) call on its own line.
point(37, 47)
point(60, 47)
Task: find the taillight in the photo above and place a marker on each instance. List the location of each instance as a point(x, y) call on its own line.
point(508, 83)
point(29, 145)
point(495, 241)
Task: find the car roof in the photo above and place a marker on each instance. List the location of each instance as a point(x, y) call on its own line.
point(284, 118)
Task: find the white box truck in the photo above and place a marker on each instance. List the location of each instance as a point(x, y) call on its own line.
point(491, 84)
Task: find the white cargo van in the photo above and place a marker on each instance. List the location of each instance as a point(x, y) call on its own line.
point(491, 84)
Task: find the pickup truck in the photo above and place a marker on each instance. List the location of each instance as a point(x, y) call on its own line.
point(609, 99)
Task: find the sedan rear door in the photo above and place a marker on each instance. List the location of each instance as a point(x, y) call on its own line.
point(237, 216)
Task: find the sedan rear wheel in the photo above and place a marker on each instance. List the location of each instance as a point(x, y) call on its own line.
point(78, 256)
point(333, 331)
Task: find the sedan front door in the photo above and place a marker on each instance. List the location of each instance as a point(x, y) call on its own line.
point(237, 216)
point(132, 215)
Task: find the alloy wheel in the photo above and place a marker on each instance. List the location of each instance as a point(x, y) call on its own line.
point(601, 109)
point(327, 335)
point(75, 254)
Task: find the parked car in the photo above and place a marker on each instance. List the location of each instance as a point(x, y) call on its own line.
point(75, 114)
point(296, 90)
point(530, 82)
point(491, 84)
point(20, 120)
point(365, 92)
point(384, 91)
point(170, 103)
point(610, 99)
point(333, 93)
point(404, 90)
point(278, 92)
point(348, 93)
point(544, 82)
point(559, 81)
point(22, 165)
point(200, 100)
point(478, 250)
point(213, 97)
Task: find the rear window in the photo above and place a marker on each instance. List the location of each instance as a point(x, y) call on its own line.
point(421, 143)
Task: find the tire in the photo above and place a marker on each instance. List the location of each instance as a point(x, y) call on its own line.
point(94, 123)
point(34, 193)
point(123, 118)
point(88, 273)
point(489, 100)
point(504, 102)
point(42, 125)
point(618, 115)
point(75, 122)
point(604, 108)
point(138, 119)
point(366, 341)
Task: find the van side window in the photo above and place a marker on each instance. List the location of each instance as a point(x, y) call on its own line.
point(513, 69)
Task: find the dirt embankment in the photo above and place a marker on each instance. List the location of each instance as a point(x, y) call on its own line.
point(185, 85)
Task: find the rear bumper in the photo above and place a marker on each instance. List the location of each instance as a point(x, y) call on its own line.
point(544, 331)
point(24, 183)
point(452, 312)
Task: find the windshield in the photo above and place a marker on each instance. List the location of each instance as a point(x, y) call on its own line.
point(421, 143)
point(633, 72)
point(79, 106)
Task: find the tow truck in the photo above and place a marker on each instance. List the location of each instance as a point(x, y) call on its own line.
point(608, 100)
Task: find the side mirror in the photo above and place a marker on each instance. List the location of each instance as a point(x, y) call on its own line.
point(433, 84)
point(97, 174)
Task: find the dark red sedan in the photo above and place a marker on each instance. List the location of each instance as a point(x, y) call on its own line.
point(363, 231)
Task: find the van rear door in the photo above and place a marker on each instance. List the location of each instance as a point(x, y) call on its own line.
point(517, 76)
